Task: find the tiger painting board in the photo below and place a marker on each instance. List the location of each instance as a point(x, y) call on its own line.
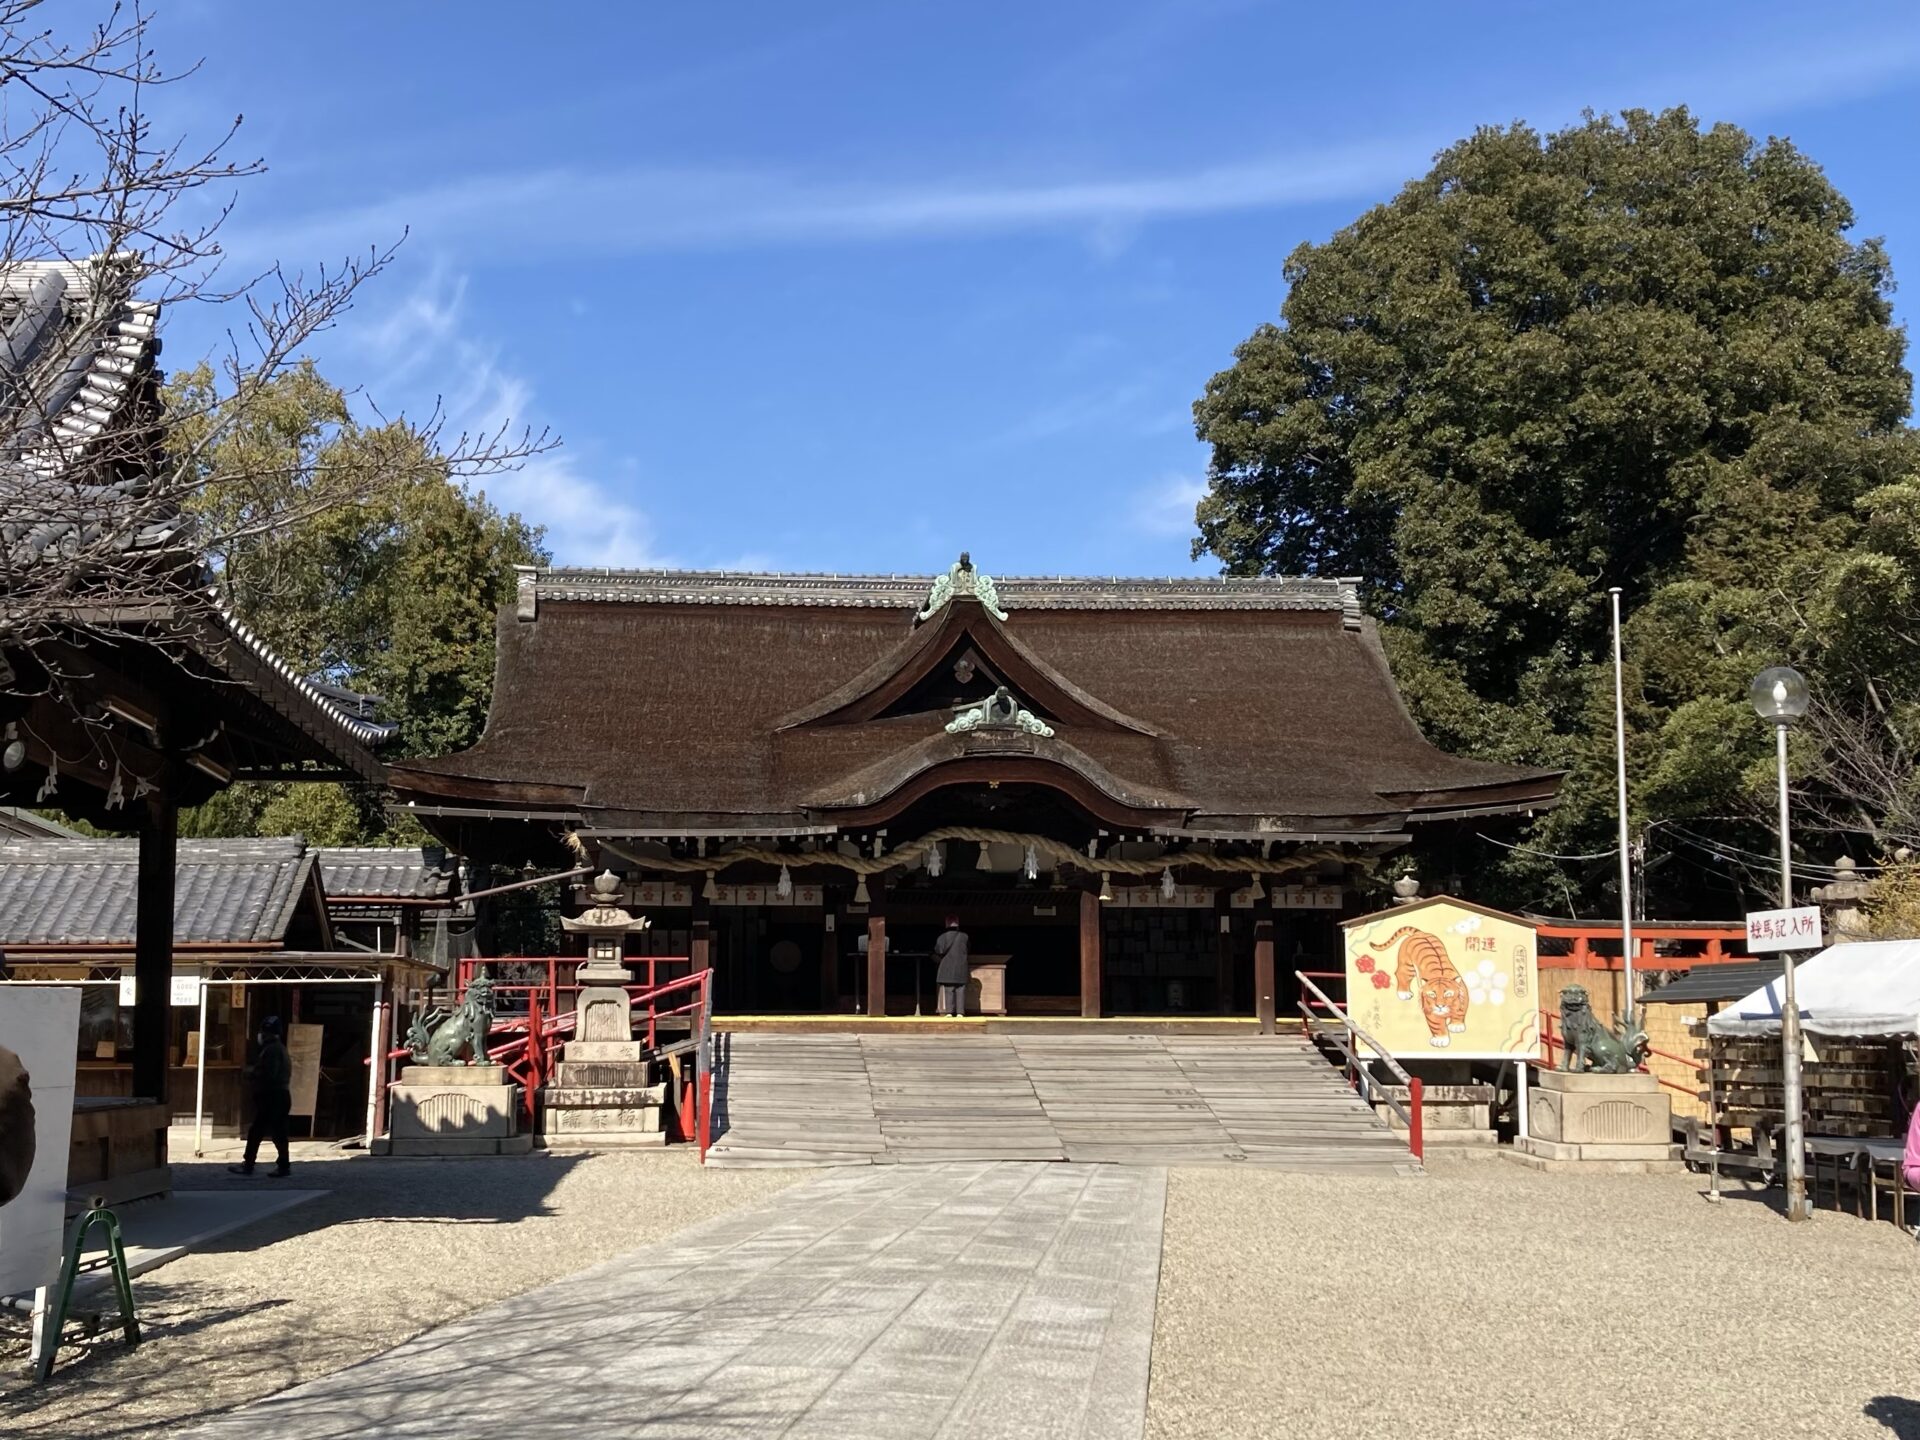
point(41, 1027)
point(1442, 979)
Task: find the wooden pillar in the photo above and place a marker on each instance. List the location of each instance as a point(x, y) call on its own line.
point(1223, 952)
point(1265, 990)
point(830, 957)
point(153, 947)
point(876, 957)
point(1089, 955)
point(700, 940)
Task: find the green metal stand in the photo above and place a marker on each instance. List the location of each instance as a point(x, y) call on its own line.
point(56, 1317)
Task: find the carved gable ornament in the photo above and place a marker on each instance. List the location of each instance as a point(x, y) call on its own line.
point(999, 711)
point(961, 581)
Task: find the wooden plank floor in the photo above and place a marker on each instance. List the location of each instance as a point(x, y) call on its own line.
point(880, 1099)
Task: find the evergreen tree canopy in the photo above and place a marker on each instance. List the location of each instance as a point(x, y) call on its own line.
point(1633, 353)
point(389, 585)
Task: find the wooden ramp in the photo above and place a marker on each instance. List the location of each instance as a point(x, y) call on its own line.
point(881, 1099)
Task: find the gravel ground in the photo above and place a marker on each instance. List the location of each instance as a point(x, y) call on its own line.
point(397, 1247)
point(1487, 1300)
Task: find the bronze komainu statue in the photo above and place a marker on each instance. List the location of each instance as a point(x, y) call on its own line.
point(461, 1035)
point(1589, 1044)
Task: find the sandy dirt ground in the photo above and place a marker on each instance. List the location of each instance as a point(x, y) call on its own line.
point(1487, 1300)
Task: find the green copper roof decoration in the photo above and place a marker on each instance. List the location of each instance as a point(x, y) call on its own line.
point(999, 711)
point(962, 580)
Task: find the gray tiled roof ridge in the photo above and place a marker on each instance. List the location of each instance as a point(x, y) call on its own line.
point(893, 591)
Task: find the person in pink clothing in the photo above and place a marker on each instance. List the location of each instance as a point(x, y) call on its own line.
point(1910, 1163)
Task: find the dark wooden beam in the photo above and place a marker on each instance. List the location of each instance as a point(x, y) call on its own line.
point(700, 942)
point(830, 958)
point(876, 954)
point(1223, 952)
point(153, 945)
point(1265, 990)
point(1089, 955)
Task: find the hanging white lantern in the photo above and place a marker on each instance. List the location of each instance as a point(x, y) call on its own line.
point(1167, 886)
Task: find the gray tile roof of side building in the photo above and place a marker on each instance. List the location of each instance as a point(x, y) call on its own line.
point(81, 892)
point(1732, 980)
point(386, 873)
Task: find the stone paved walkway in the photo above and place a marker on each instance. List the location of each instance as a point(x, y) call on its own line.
point(975, 1300)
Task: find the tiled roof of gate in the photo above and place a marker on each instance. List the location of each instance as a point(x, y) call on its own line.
point(76, 350)
point(387, 873)
point(75, 892)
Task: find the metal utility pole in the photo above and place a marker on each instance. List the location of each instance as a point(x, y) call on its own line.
point(1779, 694)
point(1626, 851)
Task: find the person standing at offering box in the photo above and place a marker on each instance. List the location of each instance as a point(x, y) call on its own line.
point(952, 971)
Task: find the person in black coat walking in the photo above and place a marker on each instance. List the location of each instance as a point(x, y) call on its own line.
point(272, 1098)
point(952, 971)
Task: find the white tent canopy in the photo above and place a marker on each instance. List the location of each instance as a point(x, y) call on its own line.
point(1868, 987)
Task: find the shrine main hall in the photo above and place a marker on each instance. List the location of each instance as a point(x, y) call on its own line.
point(1139, 797)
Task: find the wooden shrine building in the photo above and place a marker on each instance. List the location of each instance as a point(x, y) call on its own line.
point(1138, 796)
point(127, 692)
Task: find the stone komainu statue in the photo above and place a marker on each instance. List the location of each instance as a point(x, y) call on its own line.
point(460, 1037)
point(1589, 1044)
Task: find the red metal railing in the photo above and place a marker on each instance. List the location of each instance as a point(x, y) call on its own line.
point(1550, 1043)
point(1359, 1068)
point(1673, 945)
point(526, 1043)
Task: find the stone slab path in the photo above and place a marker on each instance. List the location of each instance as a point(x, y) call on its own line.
point(978, 1300)
point(798, 1099)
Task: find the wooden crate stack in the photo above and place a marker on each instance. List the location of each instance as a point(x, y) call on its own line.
point(1848, 1090)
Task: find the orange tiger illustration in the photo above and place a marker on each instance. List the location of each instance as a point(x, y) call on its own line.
point(1443, 995)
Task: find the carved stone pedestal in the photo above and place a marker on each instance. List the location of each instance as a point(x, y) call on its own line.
point(599, 1097)
point(454, 1110)
point(1617, 1122)
point(1453, 1115)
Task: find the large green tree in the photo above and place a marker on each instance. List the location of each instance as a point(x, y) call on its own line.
point(387, 582)
point(1635, 353)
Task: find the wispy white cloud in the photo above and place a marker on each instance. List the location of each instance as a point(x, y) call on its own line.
point(1164, 509)
point(581, 212)
point(539, 213)
point(426, 334)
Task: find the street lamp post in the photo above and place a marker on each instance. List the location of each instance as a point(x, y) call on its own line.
point(1779, 695)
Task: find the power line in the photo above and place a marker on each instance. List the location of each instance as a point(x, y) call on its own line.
point(1549, 854)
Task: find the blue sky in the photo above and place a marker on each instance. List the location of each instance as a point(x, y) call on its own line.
point(851, 286)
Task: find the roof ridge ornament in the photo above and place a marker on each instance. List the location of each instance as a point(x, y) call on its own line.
point(961, 581)
point(999, 711)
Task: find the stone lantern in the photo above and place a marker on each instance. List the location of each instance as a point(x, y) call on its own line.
point(603, 1013)
point(600, 1095)
point(1845, 902)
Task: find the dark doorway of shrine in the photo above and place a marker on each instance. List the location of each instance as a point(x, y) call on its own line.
point(1035, 933)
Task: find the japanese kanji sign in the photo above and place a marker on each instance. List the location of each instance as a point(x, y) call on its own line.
point(1770, 930)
